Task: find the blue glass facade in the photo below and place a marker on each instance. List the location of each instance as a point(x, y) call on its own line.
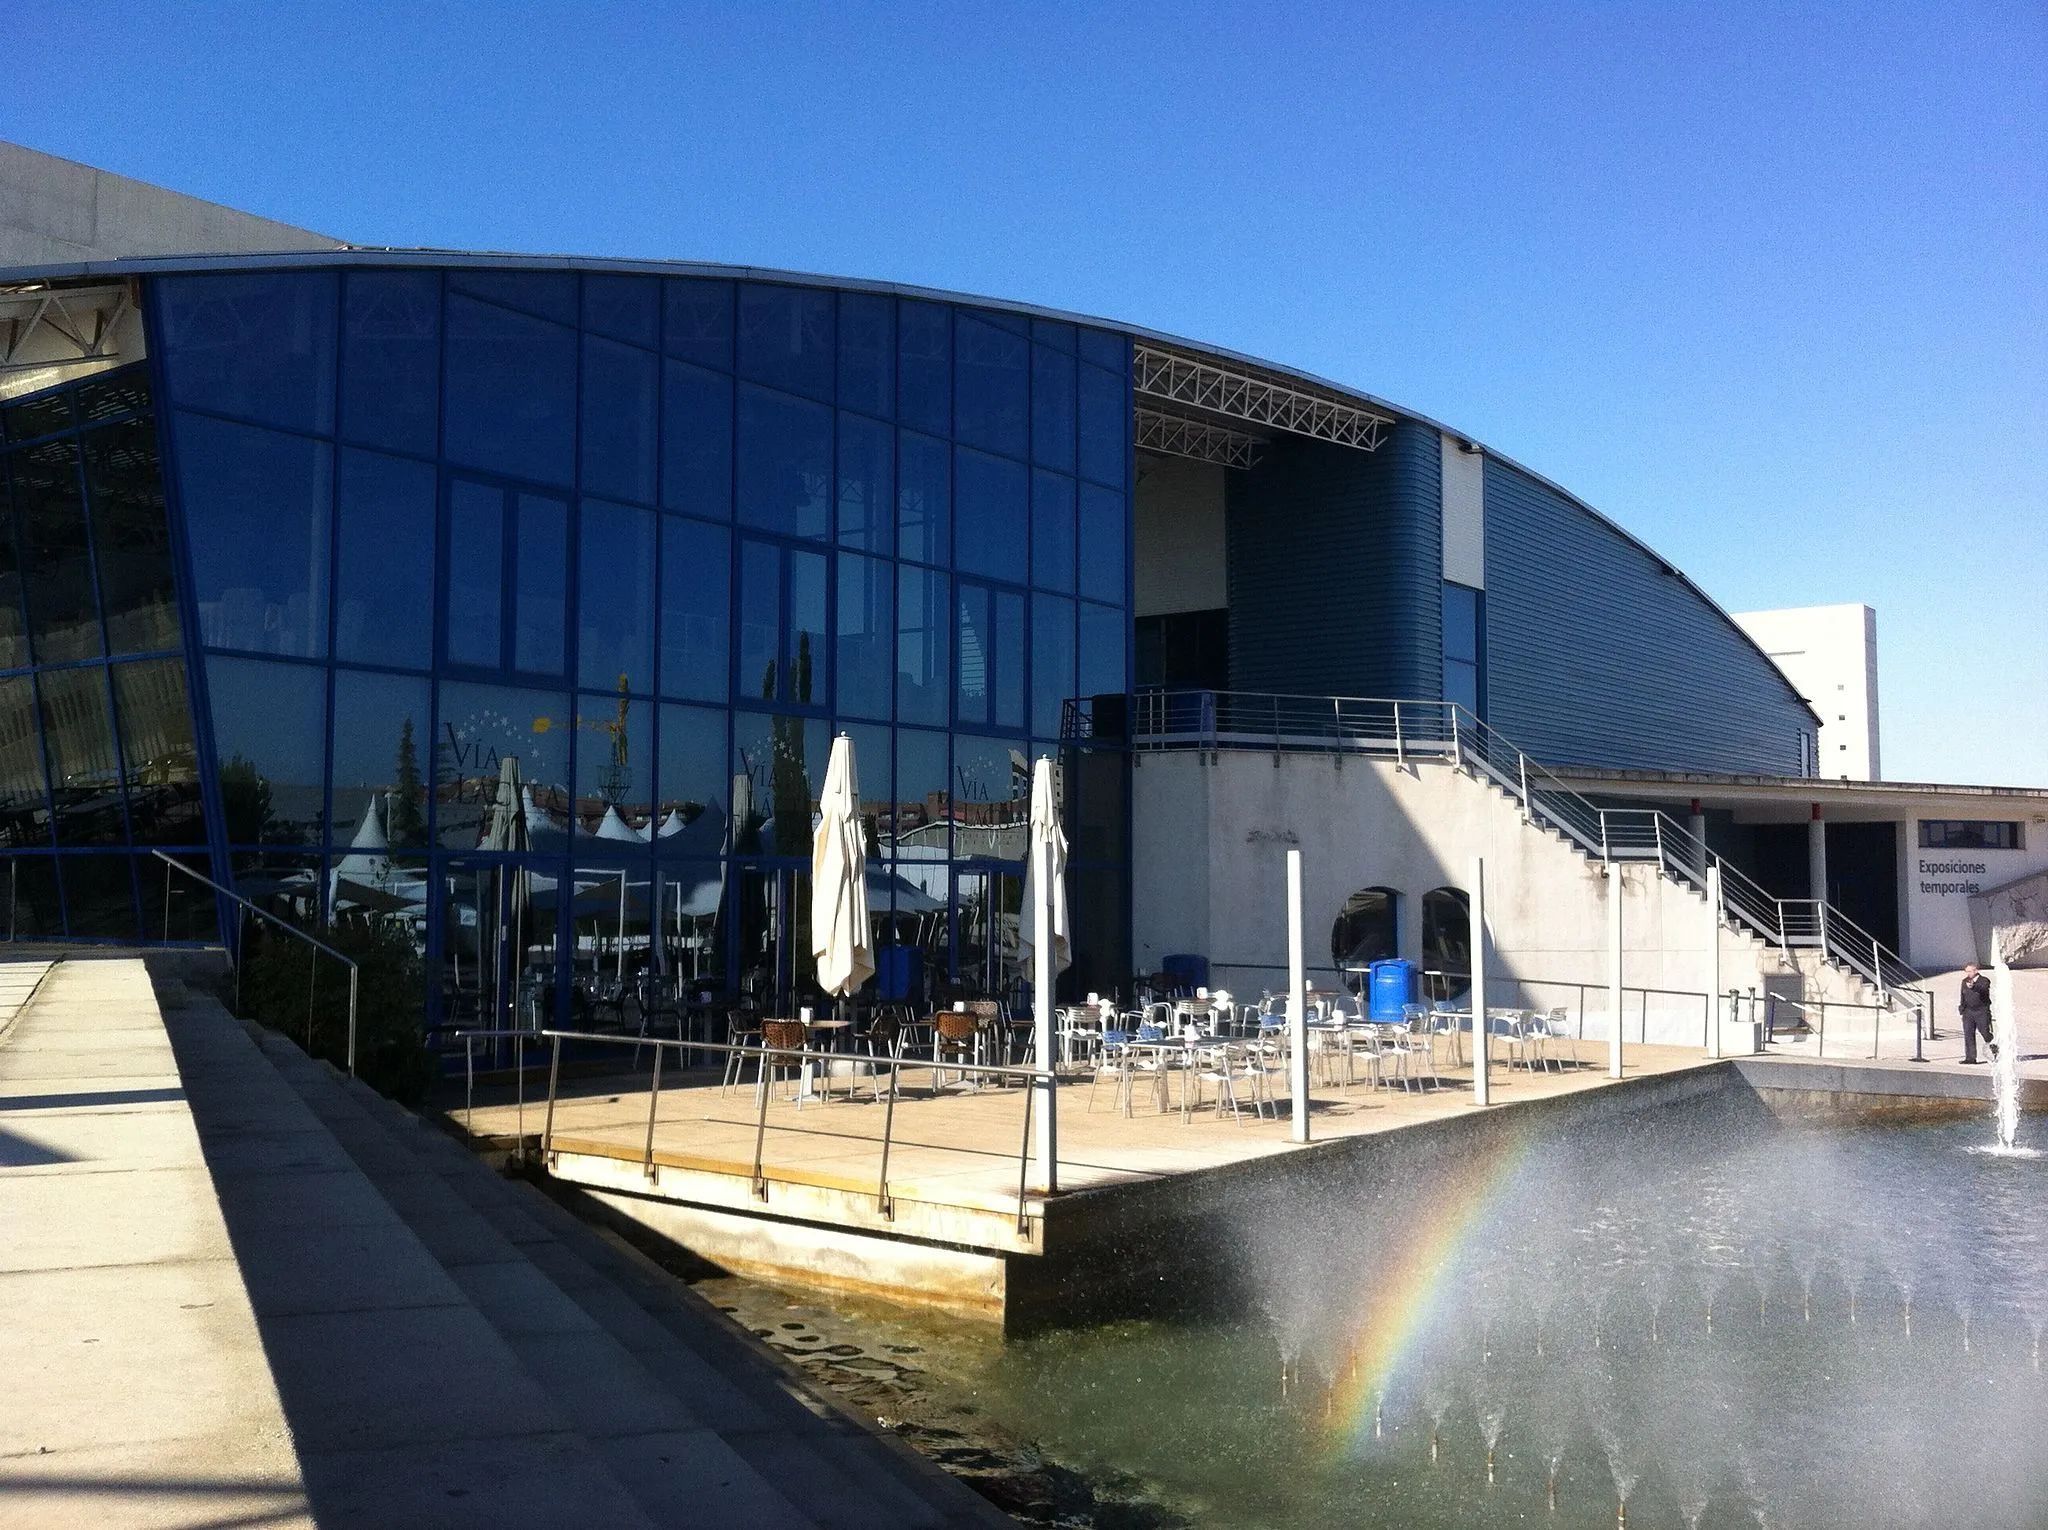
point(521, 607)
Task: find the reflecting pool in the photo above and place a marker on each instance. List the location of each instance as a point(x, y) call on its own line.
point(1694, 1318)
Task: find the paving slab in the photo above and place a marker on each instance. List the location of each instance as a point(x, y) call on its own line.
point(137, 1388)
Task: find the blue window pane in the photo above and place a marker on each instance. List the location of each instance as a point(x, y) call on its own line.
point(1104, 534)
point(760, 627)
point(153, 716)
point(269, 742)
point(381, 742)
point(696, 594)
point(391, 360)
point(13, 613)
point(1461, 684)
point(697, 321)
point(85, 774)
point(260, 347)
point(867, 353)
point(24, 811)
point(992, 385)
point(1052, 531)
point(615, 597)
point(384, 569)
point(924, 498)
point(991, 798)
point(481, 726)
point(990, 515)
point(615, 769)
point(618, 420)
point(872, 789)
point(1103, 349)
point(540, 592)
point(624, 307)
point(1461, 623)
point(56, 551)
point(131, 538)
point(785, 338)
point(1052, 408)
point(785, 463)
point(924, 625)
point(694, 782)
point(865, 635)
point(476, 575)
point(1104, 418)
point(696, 441)
point(1052, 661)
point(1104, 643)
point(511, 403)
point(256, 506)
point(867, 518)
point(804, 648)
point(915, 831)
point(924, 363)
point(545, 294)
point(99, 897)
point(971, 675)
point(1007, 609)
point(782, 761)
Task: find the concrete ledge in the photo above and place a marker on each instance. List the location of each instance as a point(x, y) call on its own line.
point(1839, 1089)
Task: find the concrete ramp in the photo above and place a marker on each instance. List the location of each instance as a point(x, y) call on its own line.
point(137, 1387)
point(273, 1297)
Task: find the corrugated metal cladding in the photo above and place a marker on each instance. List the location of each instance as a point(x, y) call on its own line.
point(1595, 656)
point(1335, 567)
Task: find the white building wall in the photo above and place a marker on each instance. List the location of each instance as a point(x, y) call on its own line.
point(1210, 843)
point(1938, 884)
point(1829, 653)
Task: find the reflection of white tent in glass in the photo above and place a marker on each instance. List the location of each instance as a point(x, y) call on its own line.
point(366, 880)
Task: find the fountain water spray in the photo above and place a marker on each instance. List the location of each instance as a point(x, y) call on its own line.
point(2005, 1060)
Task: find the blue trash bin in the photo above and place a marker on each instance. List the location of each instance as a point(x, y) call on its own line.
point(1390, 987)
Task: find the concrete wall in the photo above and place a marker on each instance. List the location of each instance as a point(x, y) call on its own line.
point(1209, 854)
point(55, 211)
point(1830, 654)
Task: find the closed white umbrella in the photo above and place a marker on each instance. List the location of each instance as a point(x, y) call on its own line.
point(840, 939)
point(1044, 935)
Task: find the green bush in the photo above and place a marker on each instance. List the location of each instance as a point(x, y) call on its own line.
point(392, 1056)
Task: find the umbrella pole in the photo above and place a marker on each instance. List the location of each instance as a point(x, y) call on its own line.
point(1047, 1151)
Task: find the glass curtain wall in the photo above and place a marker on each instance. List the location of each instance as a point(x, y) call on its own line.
point(529, 603)
point(97, 758)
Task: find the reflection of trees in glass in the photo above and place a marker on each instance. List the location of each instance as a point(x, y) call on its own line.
point(246, 807)
point(408, 824)
point(789, 787)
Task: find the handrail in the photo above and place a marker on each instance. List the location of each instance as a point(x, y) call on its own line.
point(1444, 730)
point(289, 928)
point(897, 1063)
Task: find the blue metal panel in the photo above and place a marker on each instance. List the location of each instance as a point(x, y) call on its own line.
point(1599, 653)
point(1335, 560)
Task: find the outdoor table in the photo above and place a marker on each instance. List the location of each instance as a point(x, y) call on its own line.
point(830, 1030)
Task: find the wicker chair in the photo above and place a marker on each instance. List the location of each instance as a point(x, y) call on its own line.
point(955, 1033)
point(784, 1039)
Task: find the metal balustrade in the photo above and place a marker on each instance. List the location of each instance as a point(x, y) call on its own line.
point(1443, 731)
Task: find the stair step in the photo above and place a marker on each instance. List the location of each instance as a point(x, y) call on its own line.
point(397, 1388)
point(648, 1407)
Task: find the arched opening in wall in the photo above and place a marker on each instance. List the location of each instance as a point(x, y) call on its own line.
point(1367, 929)
point(1446, 942)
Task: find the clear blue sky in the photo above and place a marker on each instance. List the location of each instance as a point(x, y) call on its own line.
point(1768, 285)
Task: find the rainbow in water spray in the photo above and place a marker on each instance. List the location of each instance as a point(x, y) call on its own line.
point(1409, 1286)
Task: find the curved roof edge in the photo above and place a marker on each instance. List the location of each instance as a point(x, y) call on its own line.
point(382, 255)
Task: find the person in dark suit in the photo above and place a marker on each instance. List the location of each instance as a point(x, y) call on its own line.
point(1975, 1008)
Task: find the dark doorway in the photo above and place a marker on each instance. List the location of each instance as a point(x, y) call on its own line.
point(1863, 876)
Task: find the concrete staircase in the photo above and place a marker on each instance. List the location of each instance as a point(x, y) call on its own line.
point(455, 1349)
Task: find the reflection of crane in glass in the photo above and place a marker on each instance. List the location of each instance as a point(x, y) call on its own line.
point(617, 777)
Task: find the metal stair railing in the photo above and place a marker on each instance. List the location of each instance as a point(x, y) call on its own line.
point(1444, 730)
point(319, 946)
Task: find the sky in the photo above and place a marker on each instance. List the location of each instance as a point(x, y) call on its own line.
point(1768, 285)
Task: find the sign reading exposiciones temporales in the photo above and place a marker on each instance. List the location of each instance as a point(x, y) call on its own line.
point(1944, 879)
